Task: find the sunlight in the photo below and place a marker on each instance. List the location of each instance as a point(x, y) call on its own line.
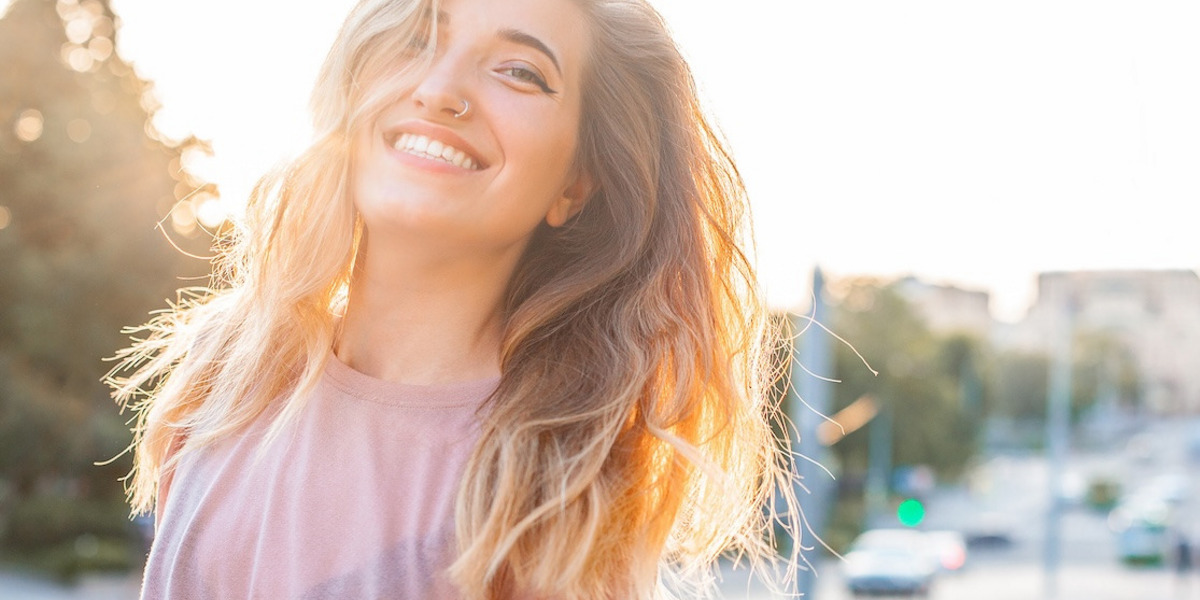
point(212, 211)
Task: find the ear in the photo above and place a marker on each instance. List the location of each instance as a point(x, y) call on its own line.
point(571, 202)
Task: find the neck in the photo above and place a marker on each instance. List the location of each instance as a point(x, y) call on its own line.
point(424, 319)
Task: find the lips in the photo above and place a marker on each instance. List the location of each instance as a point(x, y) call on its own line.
point(435, 143)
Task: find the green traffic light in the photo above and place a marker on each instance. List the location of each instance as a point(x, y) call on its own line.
point(911, 512)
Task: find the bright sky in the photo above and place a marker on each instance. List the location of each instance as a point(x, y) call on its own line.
point(975, 143)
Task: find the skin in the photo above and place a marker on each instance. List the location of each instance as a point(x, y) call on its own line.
point(442, 241)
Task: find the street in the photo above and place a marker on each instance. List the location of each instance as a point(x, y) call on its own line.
point(1012, 492)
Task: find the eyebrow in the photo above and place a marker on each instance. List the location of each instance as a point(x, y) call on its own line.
point(515, 36)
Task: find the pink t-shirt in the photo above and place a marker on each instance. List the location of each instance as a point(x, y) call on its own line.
point(356, 501)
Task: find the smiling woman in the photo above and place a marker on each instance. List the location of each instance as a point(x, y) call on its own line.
point(491, 336)
point(491, 97)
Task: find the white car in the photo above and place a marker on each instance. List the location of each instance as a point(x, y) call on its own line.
point(890, 561)
point(1174, 488)
point(1142, 525)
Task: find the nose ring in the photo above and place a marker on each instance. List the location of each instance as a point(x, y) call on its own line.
point(465, 109)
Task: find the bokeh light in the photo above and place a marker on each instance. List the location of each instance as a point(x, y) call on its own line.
point(80, 59)
point(79, 29)
point(183, 217)
point(101, 48)
point(79, 130)
point(5, 217)
point(66, 8)
point(211, 212)
point(89, 34)
point(29, 125)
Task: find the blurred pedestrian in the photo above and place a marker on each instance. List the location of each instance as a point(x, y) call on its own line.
point(1182, 560)
point(491, 336)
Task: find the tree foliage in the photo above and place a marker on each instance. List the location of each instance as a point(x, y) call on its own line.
point(940, 389)
point(84, 183)
point(920, 380)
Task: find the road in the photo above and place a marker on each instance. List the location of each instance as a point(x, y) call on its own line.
point(16, 586)
point(1013, 491)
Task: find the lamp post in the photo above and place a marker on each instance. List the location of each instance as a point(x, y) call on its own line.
point(810, 399)
point(1058, 411)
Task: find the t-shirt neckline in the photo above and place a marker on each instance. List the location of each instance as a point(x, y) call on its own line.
point(381, 391)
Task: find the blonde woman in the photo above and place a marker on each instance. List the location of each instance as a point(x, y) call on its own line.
point(491, 336)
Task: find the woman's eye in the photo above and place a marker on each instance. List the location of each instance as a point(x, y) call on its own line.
point(530, 76)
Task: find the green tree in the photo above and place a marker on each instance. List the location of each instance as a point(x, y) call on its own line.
point(1021, 383)
point(1103, 364)
point(919, 380)
point(1100, 363)
point(84, 183)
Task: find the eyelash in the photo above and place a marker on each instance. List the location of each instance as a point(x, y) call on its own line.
point(530, 76)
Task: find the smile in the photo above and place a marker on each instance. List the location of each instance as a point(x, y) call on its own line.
point(424, 147)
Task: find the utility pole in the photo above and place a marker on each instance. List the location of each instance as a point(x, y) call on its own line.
point(879, 466)
point(1058, 412)
point(810, 399)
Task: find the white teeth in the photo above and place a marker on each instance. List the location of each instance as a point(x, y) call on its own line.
point(419, 145)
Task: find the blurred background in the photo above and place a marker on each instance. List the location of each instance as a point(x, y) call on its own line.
point(1000, 199)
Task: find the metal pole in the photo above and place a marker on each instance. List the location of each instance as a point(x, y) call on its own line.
point(1058, 407)
point(811, 398)
point(879, 466)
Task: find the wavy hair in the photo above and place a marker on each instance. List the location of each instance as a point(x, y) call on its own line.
point(630, 435)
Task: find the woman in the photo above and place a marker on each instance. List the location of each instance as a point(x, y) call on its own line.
point(491, 336)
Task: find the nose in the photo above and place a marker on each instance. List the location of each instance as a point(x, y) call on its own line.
point(441, 91)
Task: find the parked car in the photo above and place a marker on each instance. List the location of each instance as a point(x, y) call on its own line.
point(890, 561)
point(991, 529)
point(1142, 527)
point(1173, 487)
point(1193, 443)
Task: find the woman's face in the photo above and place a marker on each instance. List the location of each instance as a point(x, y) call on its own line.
point(484, 180)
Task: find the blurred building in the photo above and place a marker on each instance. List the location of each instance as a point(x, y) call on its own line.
point(949, 309)
point(1155, 313)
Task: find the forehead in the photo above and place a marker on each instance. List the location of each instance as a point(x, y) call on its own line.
point(559, 25)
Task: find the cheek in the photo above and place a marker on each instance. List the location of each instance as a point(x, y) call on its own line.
point(548, 152)
point(361, 164)
point(365, 182)
point(375, 190)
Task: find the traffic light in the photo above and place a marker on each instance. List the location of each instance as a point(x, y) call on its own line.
point(911, 512)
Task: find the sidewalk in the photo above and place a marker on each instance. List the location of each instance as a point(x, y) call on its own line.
point(1008, 582)
point(19, 586)
point(1021, 583)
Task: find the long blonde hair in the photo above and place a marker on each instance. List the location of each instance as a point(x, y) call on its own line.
point(630, 434)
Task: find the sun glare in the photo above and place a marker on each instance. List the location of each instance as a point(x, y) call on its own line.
point(862, 154)
point(212, 211)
